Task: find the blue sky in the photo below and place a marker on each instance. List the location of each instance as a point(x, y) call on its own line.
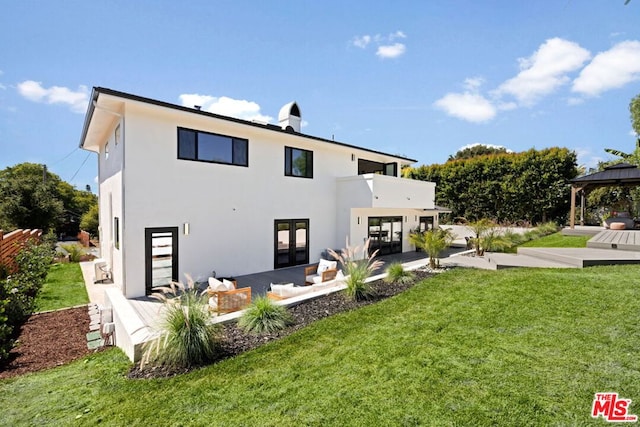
point(417, 78)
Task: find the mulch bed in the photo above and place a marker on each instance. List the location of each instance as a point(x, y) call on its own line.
point(56, 338)
point(48, 340)
point(235, 341)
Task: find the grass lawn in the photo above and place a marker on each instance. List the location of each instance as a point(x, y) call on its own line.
point(557, 240)
point(64, 288)
point(468, 347)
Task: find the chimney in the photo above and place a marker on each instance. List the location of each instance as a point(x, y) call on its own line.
point(289, 117)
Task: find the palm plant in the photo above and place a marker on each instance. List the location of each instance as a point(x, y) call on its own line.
point(187, 337)
point(433, 242)
point(264, 316)
point(357, 264)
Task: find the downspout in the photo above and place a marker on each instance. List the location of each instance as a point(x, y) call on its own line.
point(123, 223)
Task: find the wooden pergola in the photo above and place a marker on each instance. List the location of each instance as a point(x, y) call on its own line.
point(621, 174)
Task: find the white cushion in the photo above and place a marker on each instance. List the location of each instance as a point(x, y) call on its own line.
point(325, 265)
point(340, 275)
point(214, 283)
point(278, 289)
point(294, 291)
point(229, 284)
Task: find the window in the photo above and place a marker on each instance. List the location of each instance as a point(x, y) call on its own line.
point(116, 232)
point(298, 162)
point(369, 166)
point(211, 147)
point(106, 150)
point(117, 135)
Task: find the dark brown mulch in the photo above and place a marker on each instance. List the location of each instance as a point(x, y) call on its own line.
point(48, 340)
point(235, 341)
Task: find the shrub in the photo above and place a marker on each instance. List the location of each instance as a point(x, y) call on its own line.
point(397, 274)
point(264, 316)
point(187, 337)
point(74, 250)
point(432, 242)
point(357, 264)
point(19, 290)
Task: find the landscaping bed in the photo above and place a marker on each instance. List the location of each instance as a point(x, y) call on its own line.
point(47, 340)
point(235, 341)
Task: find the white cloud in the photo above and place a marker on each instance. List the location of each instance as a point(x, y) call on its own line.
point(391, 51)
point(385, 46)
point(397, 35)
point(611, 69)
point(34, 91)
point(473, 83)
point(468, 106)
point(361, 41)
point(241, 109)
point(544, 71)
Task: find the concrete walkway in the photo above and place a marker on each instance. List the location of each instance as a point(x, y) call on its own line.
point(94, 290)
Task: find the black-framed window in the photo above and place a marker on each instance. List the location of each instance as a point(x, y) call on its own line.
point(212, 147)
point(116, 232)
point(369, 166)
point(298, 162)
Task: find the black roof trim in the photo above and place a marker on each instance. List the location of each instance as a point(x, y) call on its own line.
point(98, 90)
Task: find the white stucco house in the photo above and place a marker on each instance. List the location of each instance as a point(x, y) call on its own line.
point(186, 191)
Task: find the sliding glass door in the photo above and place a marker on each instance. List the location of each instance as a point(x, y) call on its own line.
point(385, 234)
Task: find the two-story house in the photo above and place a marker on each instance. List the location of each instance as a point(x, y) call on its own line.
point(186, 191)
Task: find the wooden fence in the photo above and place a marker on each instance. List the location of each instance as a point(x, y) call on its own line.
point(12, 243)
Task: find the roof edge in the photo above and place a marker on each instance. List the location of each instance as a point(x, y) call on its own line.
point(97, 90)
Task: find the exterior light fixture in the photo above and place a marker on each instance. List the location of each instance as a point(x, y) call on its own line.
point(186, 228)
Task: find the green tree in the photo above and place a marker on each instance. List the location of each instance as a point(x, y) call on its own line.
point(29, 198)
point(532, 185)
point(90, 220)
point(477, 150)
point(33, 197)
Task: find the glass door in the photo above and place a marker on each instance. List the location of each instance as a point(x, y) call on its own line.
point(161, 257)
point(291, 242)
point(385, 234)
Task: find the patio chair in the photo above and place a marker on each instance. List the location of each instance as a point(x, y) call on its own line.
point(320, 272)
point(224, 297)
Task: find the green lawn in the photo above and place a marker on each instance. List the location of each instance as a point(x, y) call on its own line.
point(468, 347)
point(64, 288)
point(557, 240)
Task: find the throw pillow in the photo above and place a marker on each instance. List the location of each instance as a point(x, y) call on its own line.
point(229, 284)
point(325, 265)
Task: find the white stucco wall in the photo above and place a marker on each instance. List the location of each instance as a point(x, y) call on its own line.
point(230, 209)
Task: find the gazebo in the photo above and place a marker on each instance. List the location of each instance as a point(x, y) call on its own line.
point(621, 174)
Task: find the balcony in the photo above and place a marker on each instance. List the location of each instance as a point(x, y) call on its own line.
point(381, 191)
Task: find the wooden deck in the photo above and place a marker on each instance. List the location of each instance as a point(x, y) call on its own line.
point(625, 240)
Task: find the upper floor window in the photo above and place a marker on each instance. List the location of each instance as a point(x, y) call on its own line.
point(298, 162)
point(369, 166)
point(106, 150)
point(211, 147)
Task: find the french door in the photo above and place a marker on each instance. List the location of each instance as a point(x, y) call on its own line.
point(385, 234)
point(161, 256)
point(291, 242)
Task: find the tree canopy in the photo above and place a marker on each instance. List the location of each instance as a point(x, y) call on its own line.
point(532, 185)
point(477, 150)
point(33, 197)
